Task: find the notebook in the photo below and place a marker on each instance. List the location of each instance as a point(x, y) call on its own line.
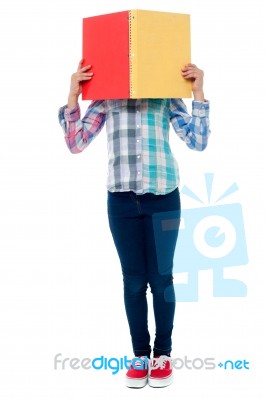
point(136, 54)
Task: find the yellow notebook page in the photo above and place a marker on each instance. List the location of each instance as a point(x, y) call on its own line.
point(159, 48)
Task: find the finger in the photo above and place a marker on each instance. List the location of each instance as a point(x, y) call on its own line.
point(189, 69)
point(83, 69)
point(84, 75)
point(190, 76)
point(80, 64)
point(83, 78)
point(186, 73)
point(190, 65)
point(193, 71)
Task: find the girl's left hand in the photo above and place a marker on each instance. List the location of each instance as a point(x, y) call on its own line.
point(192, 72)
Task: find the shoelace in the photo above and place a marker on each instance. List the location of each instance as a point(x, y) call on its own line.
point(161, 361)
point(139, 363)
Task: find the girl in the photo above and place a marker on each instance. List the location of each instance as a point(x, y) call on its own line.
point(142, 189)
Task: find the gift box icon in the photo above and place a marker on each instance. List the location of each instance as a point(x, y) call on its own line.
point(211, 237)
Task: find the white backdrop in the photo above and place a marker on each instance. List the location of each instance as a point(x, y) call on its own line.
point(61, 284)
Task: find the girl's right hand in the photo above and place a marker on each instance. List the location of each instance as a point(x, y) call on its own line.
point(78, 77)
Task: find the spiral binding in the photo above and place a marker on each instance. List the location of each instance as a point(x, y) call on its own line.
point(130, 54)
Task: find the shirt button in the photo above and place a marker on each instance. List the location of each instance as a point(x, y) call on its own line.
point(137, 140)
point(138, 172)
point(138, 126)
point(138, 156)
point(201, 113)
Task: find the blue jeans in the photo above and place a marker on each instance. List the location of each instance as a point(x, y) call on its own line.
point(131, 224)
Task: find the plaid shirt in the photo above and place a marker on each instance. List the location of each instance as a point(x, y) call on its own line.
point(139, 154)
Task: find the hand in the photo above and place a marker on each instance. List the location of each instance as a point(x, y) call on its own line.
point(193, 73)
point(77, 78)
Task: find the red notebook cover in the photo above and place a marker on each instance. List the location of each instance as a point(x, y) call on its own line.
point(106, 37)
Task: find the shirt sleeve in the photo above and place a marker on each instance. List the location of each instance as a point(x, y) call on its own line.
point(79, 133)
point(192, 129)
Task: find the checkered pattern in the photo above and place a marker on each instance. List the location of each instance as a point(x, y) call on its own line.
point(139, 154)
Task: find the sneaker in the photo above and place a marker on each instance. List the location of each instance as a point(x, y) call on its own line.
point(137, 375)
point(161, 372)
